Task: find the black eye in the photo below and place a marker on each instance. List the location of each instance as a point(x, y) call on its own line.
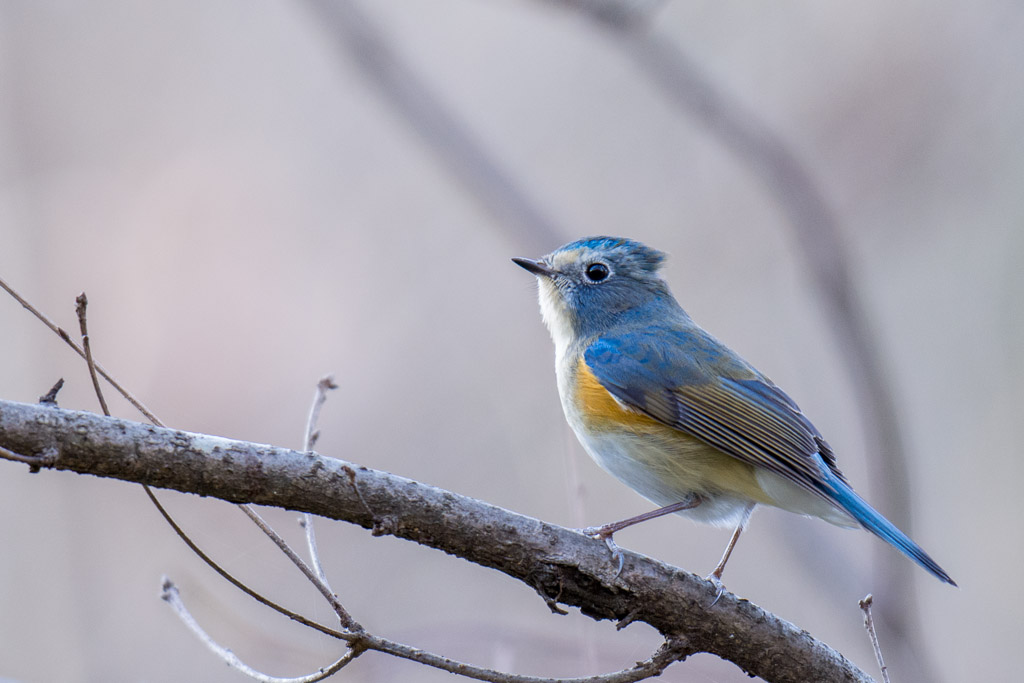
point(597, 272)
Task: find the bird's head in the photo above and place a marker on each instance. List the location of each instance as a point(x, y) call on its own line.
point(589, 285)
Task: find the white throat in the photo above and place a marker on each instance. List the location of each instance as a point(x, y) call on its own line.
point(555, 315)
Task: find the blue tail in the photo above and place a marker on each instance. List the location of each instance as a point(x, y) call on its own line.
point(870, 519)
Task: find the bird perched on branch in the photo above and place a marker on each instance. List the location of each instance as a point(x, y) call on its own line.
point(674, 413)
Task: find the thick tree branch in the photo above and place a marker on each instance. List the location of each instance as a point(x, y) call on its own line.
point(560, 564)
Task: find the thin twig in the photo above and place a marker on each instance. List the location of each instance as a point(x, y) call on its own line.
point(670, 652)
point(238, 584)
point(41, 461)
point(36, 461)
point(869, 626)
point(169, 594)
point(50, 397)
point(81, 311)
point(306, 522)
point(344, 617)
point(81, 302)
point(325, 384)
point(81, 352)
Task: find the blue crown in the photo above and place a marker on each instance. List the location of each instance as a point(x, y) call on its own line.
point(642, 255)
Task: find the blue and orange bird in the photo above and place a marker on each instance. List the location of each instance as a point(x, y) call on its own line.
point(675, 414)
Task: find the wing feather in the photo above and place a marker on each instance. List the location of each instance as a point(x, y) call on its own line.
point(702, 388)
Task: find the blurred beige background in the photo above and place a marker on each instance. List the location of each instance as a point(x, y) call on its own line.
point(247, 214)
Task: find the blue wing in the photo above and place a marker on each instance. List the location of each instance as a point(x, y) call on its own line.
point(683, 377)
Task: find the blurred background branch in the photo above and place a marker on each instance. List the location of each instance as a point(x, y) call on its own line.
point(448, 136)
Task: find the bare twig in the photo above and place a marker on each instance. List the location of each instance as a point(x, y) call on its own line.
point(36, 462)
point(44, 461)
point(869, 626)
point(306, 522)
point(169, 593)
point(50, 397)
point(81, 302)
point(673, 650)
point(238, 584)
point(81, 352)
point(670, 652)
point(343, 616)
point(325, 384)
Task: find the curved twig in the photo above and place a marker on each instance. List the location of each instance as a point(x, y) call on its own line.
point(169, 593)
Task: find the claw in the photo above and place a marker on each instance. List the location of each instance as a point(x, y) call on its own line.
point(717, 583)
point(606, 534)
point(616, 554)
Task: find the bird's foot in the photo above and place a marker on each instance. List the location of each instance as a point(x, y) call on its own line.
point(715, 578)
point(606, 533)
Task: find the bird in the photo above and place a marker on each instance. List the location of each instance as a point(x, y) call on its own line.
point(676, 415)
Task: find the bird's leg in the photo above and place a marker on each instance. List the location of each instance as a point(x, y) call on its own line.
point(715, 576)
point(606, 532)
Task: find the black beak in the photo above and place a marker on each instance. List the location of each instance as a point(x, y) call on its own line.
point(537, 267)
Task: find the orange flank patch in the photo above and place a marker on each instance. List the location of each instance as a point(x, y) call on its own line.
point(599, 408)
point(641, 449)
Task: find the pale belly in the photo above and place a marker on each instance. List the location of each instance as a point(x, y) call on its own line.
point(667, 471)
point(668, 466)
